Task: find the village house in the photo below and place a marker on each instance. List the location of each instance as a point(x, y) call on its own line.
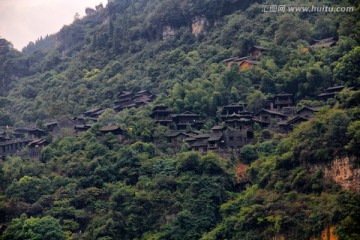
point(79, 128)
point(216, 142)
point(238, 121)
point(187, 120)
point(144, 95)
point(219, 129)
point(94, 113)
point(268, 116)
point(231, 109)
point(232, 60)
point(282, 100)
point(307, 112)
point(176, 139)
point(287, 126)
point(323, 43)
point(199, 142)
point(236, 117)
point(114, 129)
point(4, 137)
point(331, 92)
point(248, 64)
point(36, 133)
point(235, 139)
point(63, 127)
point(129, 99)
point(34, 148)
point(256, 52)
point(12, 147)
point(162, 115)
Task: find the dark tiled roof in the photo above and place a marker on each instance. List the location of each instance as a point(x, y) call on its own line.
point(94, 110)
point(235, 59)
point(218, 127)
point(50, 124)
point(186, 114)
point(199, 144)
point(259, 48)
point(335, 88)
point(296, 120)
point(110, 128)
point(202, 136)
point(14, 142)
point(271, 112)
point(327, 94)
point(215, 138)
point(283, 94)
point(321, 45)
point(176, 134)
point(161, 106)
point(308, 108)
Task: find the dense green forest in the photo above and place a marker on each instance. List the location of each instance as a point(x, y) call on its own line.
point(91, 186)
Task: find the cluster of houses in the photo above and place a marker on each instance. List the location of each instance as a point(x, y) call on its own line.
point(254, 54)
point(127, 100)
point(236, 128)
point(28, 142)
point(249, 61)
point(237, 125)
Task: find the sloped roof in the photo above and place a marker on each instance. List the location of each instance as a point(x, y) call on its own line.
point(251, 62)
point(308, 108)
point(259, 48)
point(202, 136)
point(215, 137)
point(325, 44)
point(218, 127)
point(176, 134)
point(271, 112)
point(297, 119)
point(283, 94)
point(110, 128)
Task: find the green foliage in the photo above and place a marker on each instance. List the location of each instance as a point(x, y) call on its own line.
point(346, 69)
point(29, 189)
point(139, 189)
point(248, 154)
point(34, 228)
point(291, 28)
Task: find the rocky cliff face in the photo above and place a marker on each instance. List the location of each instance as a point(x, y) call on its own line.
point(343, 171)
point(168, 31)
point(198, 25)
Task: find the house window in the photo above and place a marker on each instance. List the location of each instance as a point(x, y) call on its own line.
point(250, 135)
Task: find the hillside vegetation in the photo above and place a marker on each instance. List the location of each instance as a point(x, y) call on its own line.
point(91, 186)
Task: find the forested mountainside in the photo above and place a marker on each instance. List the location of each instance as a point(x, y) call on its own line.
point(196, 119)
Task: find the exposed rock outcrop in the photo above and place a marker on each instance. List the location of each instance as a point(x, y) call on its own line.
point(168, 31)
point(343, 171)
point(198, 25)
